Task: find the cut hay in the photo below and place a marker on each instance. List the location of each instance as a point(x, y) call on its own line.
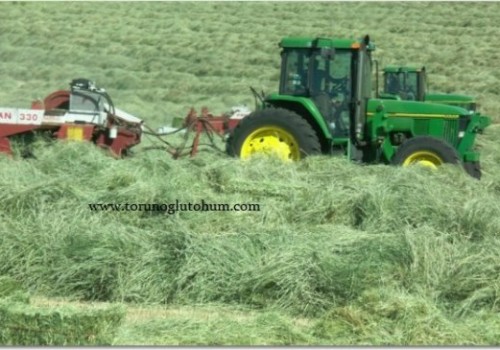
point(27, 325)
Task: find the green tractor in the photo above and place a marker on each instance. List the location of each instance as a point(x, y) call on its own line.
point(325, 106)
point(410, 83)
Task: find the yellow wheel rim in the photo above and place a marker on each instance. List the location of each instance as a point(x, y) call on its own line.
point(424, 158)
point(271, 140)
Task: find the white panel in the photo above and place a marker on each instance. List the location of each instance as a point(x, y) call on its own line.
point(21, 116)
point(84, 118)
point(127, 117)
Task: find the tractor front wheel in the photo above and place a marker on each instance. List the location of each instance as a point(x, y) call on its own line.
point(427, 151)
point(273, 131)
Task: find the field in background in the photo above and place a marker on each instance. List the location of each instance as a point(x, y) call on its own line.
point(158, 59)
point(339, 253)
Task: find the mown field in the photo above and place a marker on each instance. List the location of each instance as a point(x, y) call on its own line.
point(339, 254)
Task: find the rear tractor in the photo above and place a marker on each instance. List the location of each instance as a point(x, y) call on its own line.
point(410, 83)
point(325, 106)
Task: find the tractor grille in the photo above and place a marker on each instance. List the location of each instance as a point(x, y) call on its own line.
point(450, 131)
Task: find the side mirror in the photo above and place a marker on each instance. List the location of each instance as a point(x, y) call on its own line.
point(366, 40)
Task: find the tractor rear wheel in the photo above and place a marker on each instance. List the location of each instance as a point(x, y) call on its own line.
point(273, 131)
point(427, 151)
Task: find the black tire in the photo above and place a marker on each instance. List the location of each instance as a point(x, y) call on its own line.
point(443, 150)
point(287, 120)
point(473, 169)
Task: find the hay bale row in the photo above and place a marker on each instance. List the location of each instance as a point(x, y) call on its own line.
point(24, 324)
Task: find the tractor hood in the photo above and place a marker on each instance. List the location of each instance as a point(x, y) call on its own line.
point(403, 108)
point(448, 98)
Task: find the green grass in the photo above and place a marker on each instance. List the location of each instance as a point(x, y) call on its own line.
point(339, 253)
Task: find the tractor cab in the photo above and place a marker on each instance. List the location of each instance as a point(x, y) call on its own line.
point(330, 73)
point(325, 76)
point(405, 83)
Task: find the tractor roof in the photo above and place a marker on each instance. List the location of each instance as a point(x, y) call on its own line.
point(402, 69)
point(302, 42)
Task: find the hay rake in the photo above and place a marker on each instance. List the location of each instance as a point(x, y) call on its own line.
point(87, 113)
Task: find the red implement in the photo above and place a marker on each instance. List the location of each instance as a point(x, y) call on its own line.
point(85, 113)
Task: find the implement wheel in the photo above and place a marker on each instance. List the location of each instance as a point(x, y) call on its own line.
point(273, 131)
point(427, 151)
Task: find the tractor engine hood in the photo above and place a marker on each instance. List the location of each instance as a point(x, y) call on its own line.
point(465, 101)
point(448, 98)
point(410, 109)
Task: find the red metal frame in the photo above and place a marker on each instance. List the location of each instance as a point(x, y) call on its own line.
point(220, 124)
point(7, 130)
point(5, 146)
point(124, 140)
point(52, 101)
point(205, 123)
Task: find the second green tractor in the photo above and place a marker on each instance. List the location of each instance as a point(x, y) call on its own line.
point(410, 83)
